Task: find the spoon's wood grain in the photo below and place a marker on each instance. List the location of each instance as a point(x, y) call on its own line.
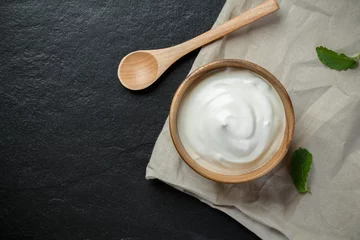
point(140, 69)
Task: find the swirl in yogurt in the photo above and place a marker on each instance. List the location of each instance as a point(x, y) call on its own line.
point(232, 117)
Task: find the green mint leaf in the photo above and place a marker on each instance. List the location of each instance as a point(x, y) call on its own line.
point(334, 60)
point(300, 167)
point(357, 57)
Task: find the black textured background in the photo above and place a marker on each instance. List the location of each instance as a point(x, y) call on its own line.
point(74, 144)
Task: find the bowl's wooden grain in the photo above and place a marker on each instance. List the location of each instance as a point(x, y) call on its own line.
point(289, 128)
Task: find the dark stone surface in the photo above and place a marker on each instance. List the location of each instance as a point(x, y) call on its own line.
point(74, 143)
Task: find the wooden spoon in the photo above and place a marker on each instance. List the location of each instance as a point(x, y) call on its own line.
point(140, 69)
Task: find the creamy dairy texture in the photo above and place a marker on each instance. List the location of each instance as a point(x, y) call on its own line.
point(232, 121)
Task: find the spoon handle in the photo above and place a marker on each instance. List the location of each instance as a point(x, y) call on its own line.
point(243, 19)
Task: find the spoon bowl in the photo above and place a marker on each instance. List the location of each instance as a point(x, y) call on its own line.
point(138, 70)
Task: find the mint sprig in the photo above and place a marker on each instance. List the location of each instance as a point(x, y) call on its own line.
point(337, 61)
point(300, 167)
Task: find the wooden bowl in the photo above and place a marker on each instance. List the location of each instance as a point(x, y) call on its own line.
point(288, 133)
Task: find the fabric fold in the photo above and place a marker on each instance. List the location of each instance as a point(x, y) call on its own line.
point(326, 104)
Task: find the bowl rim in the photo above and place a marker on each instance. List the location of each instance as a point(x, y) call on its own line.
point(289, 127)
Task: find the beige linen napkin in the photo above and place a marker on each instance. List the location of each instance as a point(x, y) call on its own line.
point(327, 109)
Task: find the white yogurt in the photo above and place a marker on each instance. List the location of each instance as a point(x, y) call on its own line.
point(231, 122)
